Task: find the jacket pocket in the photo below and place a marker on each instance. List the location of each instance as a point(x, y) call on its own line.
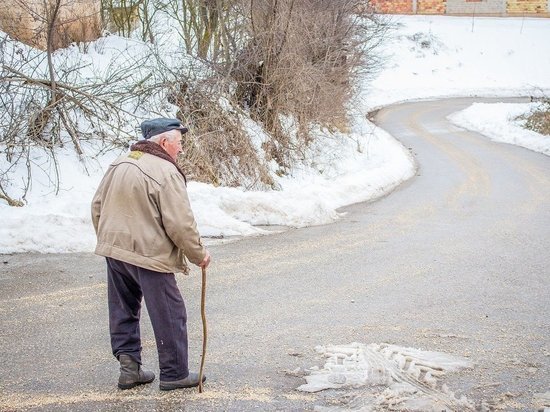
point(125, 240)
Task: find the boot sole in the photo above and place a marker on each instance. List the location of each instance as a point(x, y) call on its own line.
point(125, 386)
point(171, 388)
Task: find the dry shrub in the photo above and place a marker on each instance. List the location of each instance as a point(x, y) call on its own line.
point(539, 120)
point(302, 61)
point(296, 63)
point(49, 106)
point(217, 150)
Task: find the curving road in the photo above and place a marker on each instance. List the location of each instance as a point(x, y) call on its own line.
point(456, 260)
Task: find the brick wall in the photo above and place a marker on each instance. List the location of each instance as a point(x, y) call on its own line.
point(392, 6)
point(491, 7)
point(527, 6)
point(476, 6)
point(431, 6)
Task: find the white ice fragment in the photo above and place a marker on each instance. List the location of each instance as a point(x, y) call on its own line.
point(406, 377)
point(430, 380)
point(337, 378)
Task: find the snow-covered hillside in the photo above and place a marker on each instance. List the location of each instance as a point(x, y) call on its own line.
point(427, 56)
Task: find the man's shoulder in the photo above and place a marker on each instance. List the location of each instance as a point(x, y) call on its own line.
point(149, 164)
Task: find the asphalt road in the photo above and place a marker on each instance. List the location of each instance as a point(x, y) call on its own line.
point(455, 260)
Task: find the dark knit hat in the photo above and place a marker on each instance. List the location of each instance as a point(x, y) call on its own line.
point(153, 127)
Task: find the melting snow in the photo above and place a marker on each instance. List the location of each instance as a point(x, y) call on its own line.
point(388, 376)
point(498, 121)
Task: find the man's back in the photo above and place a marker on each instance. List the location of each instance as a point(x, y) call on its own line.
point(140, 203)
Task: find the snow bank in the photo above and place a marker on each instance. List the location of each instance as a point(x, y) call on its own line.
point(498, 121)
point(342, 169)
point(51, 223)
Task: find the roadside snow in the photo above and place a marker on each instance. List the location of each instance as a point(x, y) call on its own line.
point(498, 121)
point(51, 223)
point(347, 168)
point(428, 56)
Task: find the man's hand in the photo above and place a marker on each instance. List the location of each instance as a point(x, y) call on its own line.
point(206, 261)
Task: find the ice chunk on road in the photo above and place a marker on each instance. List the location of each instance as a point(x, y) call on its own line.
point(405, 378)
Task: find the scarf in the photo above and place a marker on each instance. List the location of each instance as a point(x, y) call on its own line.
point(155, 150)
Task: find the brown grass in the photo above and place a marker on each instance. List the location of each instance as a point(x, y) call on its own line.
point(216, 150)
point(27, 21)
point(539, 120)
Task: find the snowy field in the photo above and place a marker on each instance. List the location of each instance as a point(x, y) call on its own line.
point(427, 56)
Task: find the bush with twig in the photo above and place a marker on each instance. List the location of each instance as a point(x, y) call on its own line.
point(58, 100)
point(285, 66)
point(538, 119)
point(304, 59)
point(289, 65)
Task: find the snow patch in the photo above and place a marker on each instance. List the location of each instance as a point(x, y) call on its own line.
point(405, 379)
point(498, 121)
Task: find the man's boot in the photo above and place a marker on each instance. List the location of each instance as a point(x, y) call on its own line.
point(190, 382)
point(131, 373)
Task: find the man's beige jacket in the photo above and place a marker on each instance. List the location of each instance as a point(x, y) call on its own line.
point(141, 215)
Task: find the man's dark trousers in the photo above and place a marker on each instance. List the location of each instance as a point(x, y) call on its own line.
point(126, 285)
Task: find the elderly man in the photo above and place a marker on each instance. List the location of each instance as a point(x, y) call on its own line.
point(145, 229)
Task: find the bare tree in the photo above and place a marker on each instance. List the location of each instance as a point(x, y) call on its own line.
point(50, 103)
point(303, 60)
point(121, 16)
point(210, 29)
point(281, 62)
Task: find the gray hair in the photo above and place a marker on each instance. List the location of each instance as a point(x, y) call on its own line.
point(171, 135)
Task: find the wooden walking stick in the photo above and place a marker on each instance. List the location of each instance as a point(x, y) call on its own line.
point(204, 330)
